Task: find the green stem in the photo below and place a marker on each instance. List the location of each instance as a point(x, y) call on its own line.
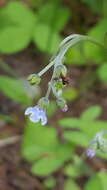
point(46, 68)
point(74, 41)
point(65, 45)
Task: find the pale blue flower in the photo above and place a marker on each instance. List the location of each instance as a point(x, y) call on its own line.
point(90, 153)
point(36, 114)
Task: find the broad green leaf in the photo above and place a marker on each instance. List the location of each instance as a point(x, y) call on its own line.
point(91, 113)
point(46, 166)
point(14, 89)
point(54, 15)
point(46, 39)
point(77, 168)
point(102, 73)
point(54, 161)
point(18, 31)
point(94, 52)
point(70, 184)
point(69, 122)
point(70, 94)
point(89, 128)
point(38, 141)
point(77, 138)
point(98, 181)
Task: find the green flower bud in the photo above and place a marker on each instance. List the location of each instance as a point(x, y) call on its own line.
point(98, 142)
point(62, 104)
point(34, 79)
point(43, 102)
point(58, 84)
point(102, 144)
point(60, 70)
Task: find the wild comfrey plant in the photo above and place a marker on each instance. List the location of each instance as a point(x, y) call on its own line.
point(58, 80)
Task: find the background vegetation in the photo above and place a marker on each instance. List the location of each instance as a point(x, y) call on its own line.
point(52, 157)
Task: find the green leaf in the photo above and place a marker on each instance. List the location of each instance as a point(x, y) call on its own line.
point(40, 146)
point(53, 161)
point(94, 52)
point(38, 141)
point(45, 39)
point(14, 89)
point(69, 122)
point(91, 113)
point(77, 168)
point(54, 15)
point(98, 181)
point(88, 127)
point(102, 73)
point(77, 138)
point(17, 32)
point(70, 184)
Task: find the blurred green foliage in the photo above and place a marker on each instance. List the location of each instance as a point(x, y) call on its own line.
point(44, 24)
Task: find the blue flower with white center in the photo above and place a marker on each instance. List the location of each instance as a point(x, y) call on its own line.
point(36, 114)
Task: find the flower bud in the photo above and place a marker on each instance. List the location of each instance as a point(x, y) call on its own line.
point(43, 102)
point(62, 104)
point(60, 70)
point(90, 153)
point(58, 84)
point(34, 79)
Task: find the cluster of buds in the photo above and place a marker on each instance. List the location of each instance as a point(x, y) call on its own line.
point(97, 143)
point(58, 81)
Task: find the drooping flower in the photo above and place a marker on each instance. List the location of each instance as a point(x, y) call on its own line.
point(90, 153)
point(65, 108)
point(36, 114)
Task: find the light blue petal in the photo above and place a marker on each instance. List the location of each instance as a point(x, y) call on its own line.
point(34, 118)
point(29, 110)
point(43, 117)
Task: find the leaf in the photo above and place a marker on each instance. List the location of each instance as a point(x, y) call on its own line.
point(44, 39)
point(54, 161)
point(77, 168)
point(54, 15)
point(94, 52)
point(14, 89)
point(98, 181)
point(38, 141)
point(91, 113)
point(70, 184)
point(17, 33)
point(40, 146)
point(102, 73)
point(69, 122)
point(76, 138)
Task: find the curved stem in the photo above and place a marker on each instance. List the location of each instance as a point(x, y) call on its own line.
point(46, 68)
point(74, 41)
point(70, 41)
